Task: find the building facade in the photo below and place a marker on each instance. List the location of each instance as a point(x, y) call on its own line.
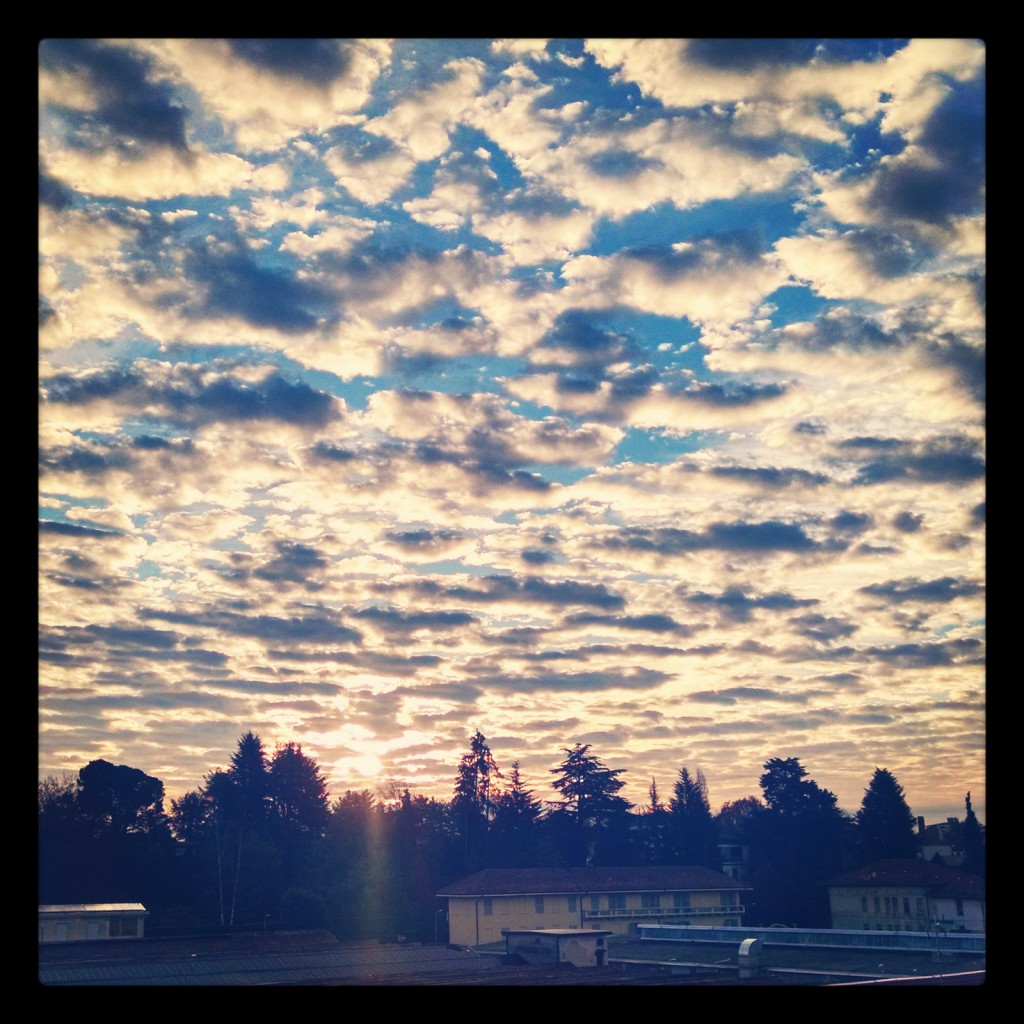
point(73, 922)
point(484, 905)
point(908, 895)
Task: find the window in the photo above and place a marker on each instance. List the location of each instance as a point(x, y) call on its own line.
point(681, 900)
point(123, 926)
point(959, 908)
point(595, 902)
point(488, 906)
point(538, 904)
point(920, 906)
point(650, 900)
point(571, 901)
point(878, 905)
point(906, 905)
point(864, 904)
point(616, 901)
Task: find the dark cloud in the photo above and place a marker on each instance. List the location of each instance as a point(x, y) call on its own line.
point(576, 682)
point(771, 535)
point(231, 282)
point(54, 193)
point(751, 54)
point(620, 163)
point(131, 108)
point(771, 476)
point(419, 540)
point(810, 427)
point(844, 329)
point(653, 623)
point(47, 526)
point(967, 363)
point(872, 443)
point(394, 621)
point(536, 556)
point(88, 461)
point(978, 514)
point(940, 591)
point(331, 453)
point(705, 250)
point(738, 606)
point(295, 563)
point(938, 460)
point(949, 179)
point(949, 652)
point(316, 629)
point(736, 694)
point(460, 693)
point(851, 522)
point(195, 395)
point(319, 61)
point(823, 628)
point(531, 589)
point(908, 522)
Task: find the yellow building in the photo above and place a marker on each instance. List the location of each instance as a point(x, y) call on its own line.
point(71, 922)
point(908, 896)
point(617, 899)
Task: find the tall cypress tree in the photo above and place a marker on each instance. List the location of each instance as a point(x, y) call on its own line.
point(885, 824)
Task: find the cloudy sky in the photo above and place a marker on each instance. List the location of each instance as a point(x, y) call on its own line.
point(623, 392)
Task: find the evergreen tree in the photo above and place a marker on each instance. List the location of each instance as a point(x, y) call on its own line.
point(973, 841)
point(590, 803)
point(516, 813)
point(476, 788)
point(297, 791)
point(693, 828)
point(800, 843)
point(885, 824)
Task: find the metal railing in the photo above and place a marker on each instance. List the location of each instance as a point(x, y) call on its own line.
point(638, 912)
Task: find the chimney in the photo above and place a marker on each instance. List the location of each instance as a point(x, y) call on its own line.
point(920, 824)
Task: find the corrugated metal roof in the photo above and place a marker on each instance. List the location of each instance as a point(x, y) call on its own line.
point(91, 908)
point(255, 969)
point(548, 881)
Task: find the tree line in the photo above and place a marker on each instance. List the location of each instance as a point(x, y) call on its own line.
point(260, 843)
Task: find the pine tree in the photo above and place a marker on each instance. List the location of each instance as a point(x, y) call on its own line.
point(973, 842)
point(693, 826)
point(885, 824)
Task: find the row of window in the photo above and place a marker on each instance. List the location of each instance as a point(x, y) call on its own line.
point(892, 905)
point(616, 901)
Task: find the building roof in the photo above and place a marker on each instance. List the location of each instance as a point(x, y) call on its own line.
point(297, 958)
point(937, 878)
point(551, 881)
point(91, 908)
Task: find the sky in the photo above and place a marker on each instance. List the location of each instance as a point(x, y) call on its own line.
point(618, 392)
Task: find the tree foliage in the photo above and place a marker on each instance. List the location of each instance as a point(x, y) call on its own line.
point(121, 798)
point(297, 791)
point(693, 827)
point(588, 787)
point(885, 824)
point(973, 840)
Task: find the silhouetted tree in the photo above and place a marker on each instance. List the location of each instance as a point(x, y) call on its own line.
point(973, 841)
point(298, 791)
point(473, 802)
point(515, 824)
point(590, 802)
point(800, 842)
point(119, 797)
point(693, 828)
point(651, 842)
point(885, 824)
